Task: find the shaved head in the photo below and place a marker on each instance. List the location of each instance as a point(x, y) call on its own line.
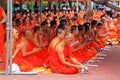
point(68, 38)
point(27, 32)
point(14, 30)
point(59, 31)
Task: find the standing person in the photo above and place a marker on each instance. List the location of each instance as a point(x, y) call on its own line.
point(3, 19)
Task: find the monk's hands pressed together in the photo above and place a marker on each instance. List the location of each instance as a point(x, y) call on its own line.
point(41, 37)
point(44, 44)
point(82, 45)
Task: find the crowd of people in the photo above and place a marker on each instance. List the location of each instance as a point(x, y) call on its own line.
point(62, 41)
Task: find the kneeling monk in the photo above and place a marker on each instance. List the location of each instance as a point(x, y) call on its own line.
point(61, 59)
point(28, 50)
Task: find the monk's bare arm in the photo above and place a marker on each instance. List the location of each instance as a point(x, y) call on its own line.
point(25, 53)
point(62, 58)
point(4, 17)
point(79, 47)
point(102, 34)
point(76, 61)
point(18, 47)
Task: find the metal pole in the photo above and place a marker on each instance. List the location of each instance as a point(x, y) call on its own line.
point(9, 38)
point(7, 51)
point(10, 22)
point(9, 44)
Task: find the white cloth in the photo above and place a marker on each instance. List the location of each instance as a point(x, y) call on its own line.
point(15, 68)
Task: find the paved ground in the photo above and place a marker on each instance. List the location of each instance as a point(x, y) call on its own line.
point(108, 69)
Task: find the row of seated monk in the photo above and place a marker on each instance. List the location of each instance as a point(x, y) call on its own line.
point(71, 47)
point(58, 44)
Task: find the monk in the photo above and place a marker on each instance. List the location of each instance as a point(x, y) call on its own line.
point(37, 37)
point(101, 35)
point(61, 59)
point(96, 15)
point(89, 39)
point(38, 42)
point(81, 29)
point(74, 31)
point(60, 35)
point(46, 32)
point(53, 27)
point(67, 28)
point(17, 56)
point(93, 28)
point(77, 49)
point(18, 26)
point(94, 34)
point(118, 28)
point(3, 19)
point(28, 50)
point(63, 22)
point(109, 25)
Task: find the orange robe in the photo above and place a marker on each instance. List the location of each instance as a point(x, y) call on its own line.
point(20, 31)
point(102, 41)
point(112, 32)
point(117, 28)
point(90, 50)
point(33, 59)
point(20, 61)
point(3, 56)
point(84, 54)
point(90, 47)
point(94, 43)
point(97, 15)
point(42, 54)
point(53, 33)
point(80, 54)
point(118, 33)
point(2, 45)
point(57, 66)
